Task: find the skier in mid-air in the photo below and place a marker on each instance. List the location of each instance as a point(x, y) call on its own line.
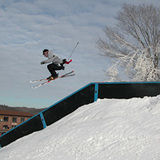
point(56, 63)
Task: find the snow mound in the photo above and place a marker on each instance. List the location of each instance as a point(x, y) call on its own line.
point(109, 129)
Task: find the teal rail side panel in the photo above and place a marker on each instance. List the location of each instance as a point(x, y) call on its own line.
point(43, 120)
point(96, 92)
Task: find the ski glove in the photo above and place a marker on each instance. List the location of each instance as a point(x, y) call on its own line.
point(42, 62)
point(64, 61)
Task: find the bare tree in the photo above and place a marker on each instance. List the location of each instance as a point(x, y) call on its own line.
point(134, 43)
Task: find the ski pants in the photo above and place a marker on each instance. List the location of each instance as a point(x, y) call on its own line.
point(53, 67)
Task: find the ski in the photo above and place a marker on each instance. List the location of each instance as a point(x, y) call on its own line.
point(45, 79)
point(39, 80)
point(48, 81)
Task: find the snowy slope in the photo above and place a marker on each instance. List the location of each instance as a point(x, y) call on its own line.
point(109, 129)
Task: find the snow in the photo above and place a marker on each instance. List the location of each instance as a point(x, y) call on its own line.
point(109, 129)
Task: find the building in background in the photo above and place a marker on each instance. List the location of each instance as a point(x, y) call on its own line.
point(10, 119)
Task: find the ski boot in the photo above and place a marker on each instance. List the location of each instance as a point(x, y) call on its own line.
point(53, 77)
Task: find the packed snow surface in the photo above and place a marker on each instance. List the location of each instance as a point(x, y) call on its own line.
point(109, 129)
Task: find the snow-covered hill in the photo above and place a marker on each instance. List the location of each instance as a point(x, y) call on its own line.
point(109, 129)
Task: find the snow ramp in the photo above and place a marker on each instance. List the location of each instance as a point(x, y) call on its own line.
point(85, 95)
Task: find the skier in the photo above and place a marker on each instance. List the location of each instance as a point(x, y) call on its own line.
point(57, 63)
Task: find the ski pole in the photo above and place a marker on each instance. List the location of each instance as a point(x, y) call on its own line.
point(73, 50)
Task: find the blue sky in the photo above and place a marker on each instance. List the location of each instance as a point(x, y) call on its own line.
point(27, 27)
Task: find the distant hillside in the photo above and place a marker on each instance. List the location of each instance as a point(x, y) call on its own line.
point(33, 111)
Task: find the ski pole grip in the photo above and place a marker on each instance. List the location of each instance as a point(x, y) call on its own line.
point(68, 62)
